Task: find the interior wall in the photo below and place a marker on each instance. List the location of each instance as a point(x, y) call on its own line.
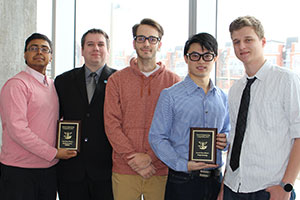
point(17, 22)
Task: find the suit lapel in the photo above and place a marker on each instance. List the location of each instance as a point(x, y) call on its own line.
point(100, 88)
point(81, 85)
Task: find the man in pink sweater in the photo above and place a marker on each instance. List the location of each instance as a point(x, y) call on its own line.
point(131, 96)
point(29, 114)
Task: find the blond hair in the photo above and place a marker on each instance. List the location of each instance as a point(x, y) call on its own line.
point(249, 21)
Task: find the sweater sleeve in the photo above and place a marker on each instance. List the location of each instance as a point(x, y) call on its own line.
point(13, 106)
point(113, 120)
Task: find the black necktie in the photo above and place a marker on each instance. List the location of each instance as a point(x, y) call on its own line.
point(240, 126)
point(90, 87)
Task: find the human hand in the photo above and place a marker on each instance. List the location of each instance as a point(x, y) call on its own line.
point(147, 172)
point(192, 165)
point(221, 141)
point(65, 154)
point(139, 161)
point(278, 193)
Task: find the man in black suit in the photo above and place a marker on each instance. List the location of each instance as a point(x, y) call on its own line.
point(88, 175)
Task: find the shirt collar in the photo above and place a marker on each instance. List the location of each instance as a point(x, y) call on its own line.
point(263, 71)
point(147, 74)
point(191, 86)
point(88, 71)
point(37, 75)
point(261, 74)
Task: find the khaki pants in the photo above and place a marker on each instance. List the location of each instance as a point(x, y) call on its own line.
point(131, 187)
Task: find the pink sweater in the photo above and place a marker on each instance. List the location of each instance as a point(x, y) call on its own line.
point(129, 106)
point(29, 113)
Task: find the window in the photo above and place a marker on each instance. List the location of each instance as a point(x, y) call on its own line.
point(206, 21)
point(117, 18)
point(281, 32)
point(44, 22)
point(64, 29)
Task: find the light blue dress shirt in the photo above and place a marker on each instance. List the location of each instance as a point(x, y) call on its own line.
point(180, 107)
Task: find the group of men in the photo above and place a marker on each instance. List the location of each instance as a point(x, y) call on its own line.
point(135, 123)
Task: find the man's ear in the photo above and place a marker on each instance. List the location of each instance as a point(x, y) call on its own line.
point(263, 40)
point(133, 43)
point(216, 58)
point(186, 59)
point(51, 56)
point(159, 46)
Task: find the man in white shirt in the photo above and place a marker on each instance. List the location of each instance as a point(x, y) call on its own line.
point(267, 161)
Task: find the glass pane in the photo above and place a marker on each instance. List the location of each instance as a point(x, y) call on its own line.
point(281, 32)
point(44, 17)
point(206, 16)
point(206, 21)
point(44, 22)
point(117, 18)
point(64, 36)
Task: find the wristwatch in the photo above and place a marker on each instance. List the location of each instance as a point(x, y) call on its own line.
point(286, 186)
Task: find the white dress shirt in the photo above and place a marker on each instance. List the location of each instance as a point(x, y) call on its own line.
point(38, 76)
point(273, 123)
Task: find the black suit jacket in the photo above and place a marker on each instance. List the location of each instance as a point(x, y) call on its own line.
point(95, 157)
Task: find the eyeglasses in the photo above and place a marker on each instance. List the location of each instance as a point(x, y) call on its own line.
point(142, 39)
point(36, 49)
point(207, 57)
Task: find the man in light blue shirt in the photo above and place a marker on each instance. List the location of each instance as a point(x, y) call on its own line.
point(194, 102)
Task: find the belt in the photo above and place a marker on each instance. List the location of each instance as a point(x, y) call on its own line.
point(197, 173)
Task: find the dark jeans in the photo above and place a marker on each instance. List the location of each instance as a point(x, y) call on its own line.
point(24, 184)
point(259, 195)
point(192, 187)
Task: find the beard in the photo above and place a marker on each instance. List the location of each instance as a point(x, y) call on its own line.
point(149, 56)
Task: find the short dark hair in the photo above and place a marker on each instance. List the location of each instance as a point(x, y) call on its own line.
point(35, 36)
point(205, 40)
point(95, 31)
point(150, 22)
point(248, 21)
